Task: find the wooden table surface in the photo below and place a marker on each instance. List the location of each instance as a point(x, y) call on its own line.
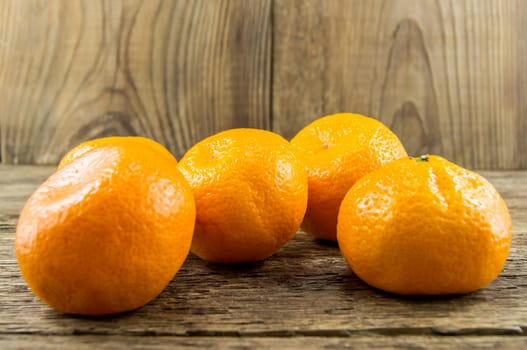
point(305, 296)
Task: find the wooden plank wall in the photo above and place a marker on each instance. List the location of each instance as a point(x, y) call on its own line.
point(449, 77)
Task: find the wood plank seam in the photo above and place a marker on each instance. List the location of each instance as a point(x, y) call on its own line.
point(336, 333)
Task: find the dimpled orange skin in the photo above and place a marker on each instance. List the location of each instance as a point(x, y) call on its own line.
point(250, 191)
point(145, 142)
point(338, 150)
point(106, 232)
point(424, 227)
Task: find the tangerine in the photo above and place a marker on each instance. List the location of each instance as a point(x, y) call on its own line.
point(108, 230)
point(251, 194)
point(338, 150)
point(424, 226)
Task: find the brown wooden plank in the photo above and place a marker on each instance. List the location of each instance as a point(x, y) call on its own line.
point(312, 342)
point(448, 77)
point(16, 184)
point(176, 71)
point(306, 289)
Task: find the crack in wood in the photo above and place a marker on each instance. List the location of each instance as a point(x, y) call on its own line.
point(282, 333)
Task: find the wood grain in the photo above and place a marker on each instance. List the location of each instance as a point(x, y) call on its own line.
point(303, 297)
point(248, 343)
point(176, 71)
point(449, 77)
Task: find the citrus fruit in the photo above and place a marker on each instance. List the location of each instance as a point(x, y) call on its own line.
point(146, 143)
point(424, 226)
point(108, 230)
point(250, 191)
point(338, 150)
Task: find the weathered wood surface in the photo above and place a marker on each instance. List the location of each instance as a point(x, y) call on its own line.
point(250, 343)
point(303, 297)
point(448, 77)
point(176, 71)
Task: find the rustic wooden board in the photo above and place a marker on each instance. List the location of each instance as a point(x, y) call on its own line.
point(248, 343)
point(449, 77)
point(176, 71)
point(304, 296)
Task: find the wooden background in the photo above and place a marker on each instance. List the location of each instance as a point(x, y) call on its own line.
point(449, 77)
